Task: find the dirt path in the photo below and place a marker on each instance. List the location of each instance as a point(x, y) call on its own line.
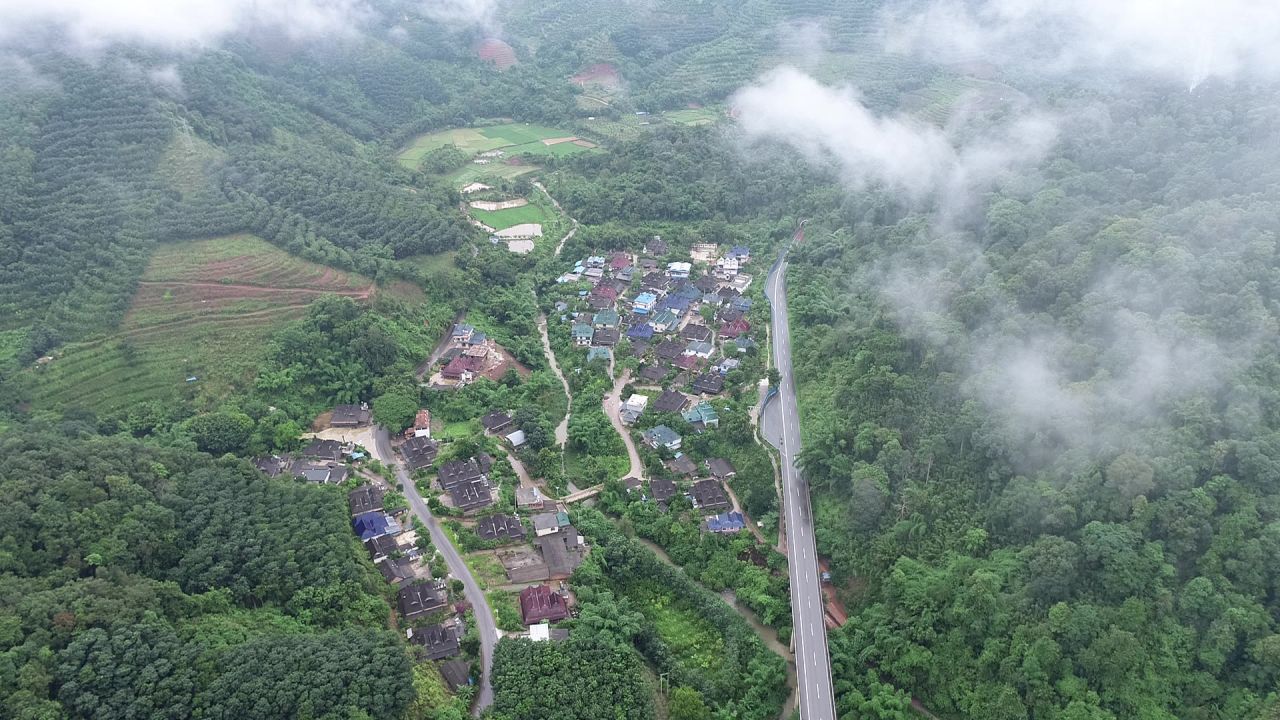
point(611, 406)
point(562, 430)
point(572, 221)
point(440, 349)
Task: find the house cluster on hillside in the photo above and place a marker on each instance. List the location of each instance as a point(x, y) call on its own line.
point(657, 306)
point(466, 483)
point(471, 355)
point(703, 486)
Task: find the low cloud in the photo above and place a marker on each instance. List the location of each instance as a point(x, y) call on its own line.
point(1182, 40)
point(832, 126)
point(481, 14)
point(174, 24)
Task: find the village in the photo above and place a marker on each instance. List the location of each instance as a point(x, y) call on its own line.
point(675, 345)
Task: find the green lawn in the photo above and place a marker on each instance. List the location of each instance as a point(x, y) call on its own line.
point(503, 219)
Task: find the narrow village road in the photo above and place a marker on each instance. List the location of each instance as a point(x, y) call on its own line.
point(612, 404)
point(480, 610)
point(808, 609)
point(562, 430)
point(445, 338)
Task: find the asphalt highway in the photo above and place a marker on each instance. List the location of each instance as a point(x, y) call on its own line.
point(808, 615)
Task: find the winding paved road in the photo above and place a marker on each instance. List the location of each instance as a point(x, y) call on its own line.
point(457, 567)
point(813, 664)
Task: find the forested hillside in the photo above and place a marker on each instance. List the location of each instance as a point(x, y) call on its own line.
point(156, 581)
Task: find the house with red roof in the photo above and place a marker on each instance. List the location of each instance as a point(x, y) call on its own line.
point(539, 604)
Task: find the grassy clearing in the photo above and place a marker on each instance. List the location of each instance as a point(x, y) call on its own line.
point(693, 116)
point(694, 640)
point(11, 343)
point(470, 173)
point(487, 570)
point(514, 138)
point(203, 309)
point(503, 219)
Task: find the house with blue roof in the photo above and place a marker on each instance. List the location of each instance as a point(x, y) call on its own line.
point(643, 331)
point(688, 292)
point(598, 353)
point(730, 522)
point(741, 253)
point(675, 304)
point(740, 303)
point(372, 525)
point(644, 303)
point(663, 437)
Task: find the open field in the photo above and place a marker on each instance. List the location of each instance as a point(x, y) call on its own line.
point(515, 138)
point(470, 173)
point(203, 309)
point(693, 116)
point(694, 640)
point(503, 219)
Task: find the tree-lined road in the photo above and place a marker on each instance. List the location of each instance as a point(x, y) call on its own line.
point(813, 663)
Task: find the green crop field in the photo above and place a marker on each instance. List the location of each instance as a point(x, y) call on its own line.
point(503, 219)
point(515, 138)
point(203, 309)
point(470, 173)
point(693, 116)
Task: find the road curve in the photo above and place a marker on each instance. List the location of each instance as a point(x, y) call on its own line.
point(813, 663)
point(457, 567)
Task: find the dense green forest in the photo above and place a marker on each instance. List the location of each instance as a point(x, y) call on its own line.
point(147, 580)
point(1041, 420)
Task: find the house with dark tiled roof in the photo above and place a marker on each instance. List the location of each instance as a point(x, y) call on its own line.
point(721, 469)
point(711, 383)
point(350, 416)
point(460, 471)
point(643, 331)
point(271, 465)
point(709, 495)
point(662, 489)
point(437, 641)
point(657, 247)
point(381, 546)
point(606, 337)
point(471, 495)
point(732, 330)
point(669, 350)
point(500, 527)
point(419, 452)
point(396, 570)
point(682, 465)
point(418, 599)
point(688, 362)
point(694, 331)
point(496, 422)
point(654, 373)
point(706, 284)
point(327, 450)
point(670, 401)
point(539, 604)
point(366, 498)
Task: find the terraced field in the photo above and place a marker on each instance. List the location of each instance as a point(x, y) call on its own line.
point(203, 310)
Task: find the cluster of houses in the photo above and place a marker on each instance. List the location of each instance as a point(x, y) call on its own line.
point(658, 309)
point(707, 494)
point(470, 356)
point(394, 552)
point(321, 461)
